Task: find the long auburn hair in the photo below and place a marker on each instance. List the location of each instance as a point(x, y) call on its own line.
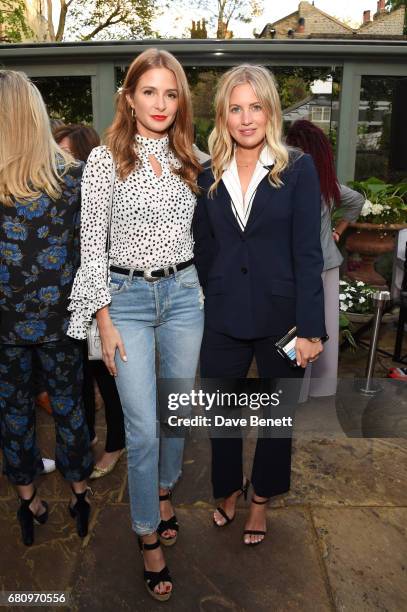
point(120, 135)
point(31, 162)
point(311, 139)
point(221, 145)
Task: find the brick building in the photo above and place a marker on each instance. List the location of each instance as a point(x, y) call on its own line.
point(383, 23)
point(308, 21)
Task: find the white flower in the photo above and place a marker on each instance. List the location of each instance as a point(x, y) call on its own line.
point(362, 299)
point(377, 209)
point(341, 282)
point(350, 304)
point(344, 307)
point(342, 297)
point(349, 295)
point(360, 284)
point(367, 208)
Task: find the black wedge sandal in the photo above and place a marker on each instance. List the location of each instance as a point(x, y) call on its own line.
point(27, 518)
point(80, 511)
point(243, 491)
point(151, 579)
point(256, 531)
point(171, 523)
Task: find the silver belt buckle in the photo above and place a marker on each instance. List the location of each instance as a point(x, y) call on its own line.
point(147, 275)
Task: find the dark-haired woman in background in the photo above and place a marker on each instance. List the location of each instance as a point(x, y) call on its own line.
point(321, 377)
point(79, 140)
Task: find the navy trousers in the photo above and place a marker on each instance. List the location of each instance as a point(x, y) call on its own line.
point(226, 357)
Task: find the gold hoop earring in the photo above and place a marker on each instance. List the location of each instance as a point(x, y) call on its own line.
point(133, 114)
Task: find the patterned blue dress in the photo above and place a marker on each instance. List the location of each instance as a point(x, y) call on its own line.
point(39, 254)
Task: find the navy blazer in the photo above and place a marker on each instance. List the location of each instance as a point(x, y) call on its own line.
point(264, 280)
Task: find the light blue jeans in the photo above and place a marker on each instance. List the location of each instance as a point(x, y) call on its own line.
point(166, 315)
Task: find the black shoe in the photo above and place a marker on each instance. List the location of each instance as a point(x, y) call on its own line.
point(229, 519)
point(81, 512)
point(151, 579)
point(171, 523)
point(256, 531)
point(26, 518)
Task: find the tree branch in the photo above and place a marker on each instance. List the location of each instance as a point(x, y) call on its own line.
point(50, 26)
point(105, 24)
point(62, 19)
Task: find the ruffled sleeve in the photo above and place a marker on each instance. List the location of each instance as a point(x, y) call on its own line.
point(90, 290)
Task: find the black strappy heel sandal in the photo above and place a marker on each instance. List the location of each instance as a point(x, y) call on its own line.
point(243, 491)
point(151, 579)
point(81, 512)
point(26, 518)
point(171, 523)
point(256, 531)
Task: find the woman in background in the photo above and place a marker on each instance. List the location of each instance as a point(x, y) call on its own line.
point(79, 140)
point(39, 207)
point(321, 378)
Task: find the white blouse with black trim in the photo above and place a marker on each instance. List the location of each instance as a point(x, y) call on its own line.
point(242, 205)
point(150, 228)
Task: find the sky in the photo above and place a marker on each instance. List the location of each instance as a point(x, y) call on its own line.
point(343, 9)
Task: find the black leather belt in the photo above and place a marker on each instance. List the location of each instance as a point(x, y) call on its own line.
point(153, 275)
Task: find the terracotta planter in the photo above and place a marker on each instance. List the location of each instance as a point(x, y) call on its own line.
point(369, 242)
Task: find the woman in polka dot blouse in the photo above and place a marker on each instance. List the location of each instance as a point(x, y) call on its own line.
point(147, 295)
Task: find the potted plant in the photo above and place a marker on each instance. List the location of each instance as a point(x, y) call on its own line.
point(383, 214)
point(355, 302)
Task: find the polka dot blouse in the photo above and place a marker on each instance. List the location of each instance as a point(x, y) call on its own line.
point(150, 229)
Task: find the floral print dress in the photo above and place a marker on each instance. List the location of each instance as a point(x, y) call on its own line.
point(39, 254)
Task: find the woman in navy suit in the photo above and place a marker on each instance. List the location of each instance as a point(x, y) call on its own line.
point(259, 259)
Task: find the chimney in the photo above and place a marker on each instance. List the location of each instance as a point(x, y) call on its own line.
point(381, 6)
point(366, 16)
point(301, 26)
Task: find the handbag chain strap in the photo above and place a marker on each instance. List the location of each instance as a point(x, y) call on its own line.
point(109, 221)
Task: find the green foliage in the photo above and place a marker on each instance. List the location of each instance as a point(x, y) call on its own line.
point(292, 89)
point(106, 19)
point(385, 203)
point(345, 330)
point(13, 26)
point(67, 98)
point(203, 128)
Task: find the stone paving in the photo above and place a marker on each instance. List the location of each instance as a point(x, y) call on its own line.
point(337, 542)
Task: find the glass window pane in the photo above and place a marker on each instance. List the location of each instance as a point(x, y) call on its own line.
point(68, 98)
point(382, 129)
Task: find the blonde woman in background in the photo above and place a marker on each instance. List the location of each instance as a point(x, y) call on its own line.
point(259, 260)
point(39, 206)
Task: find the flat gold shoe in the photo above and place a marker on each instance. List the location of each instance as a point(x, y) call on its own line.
point(99, 472)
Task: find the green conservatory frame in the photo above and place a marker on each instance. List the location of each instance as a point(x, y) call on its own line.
point(99, 60)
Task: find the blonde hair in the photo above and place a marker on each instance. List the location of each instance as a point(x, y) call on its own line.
point(120, 135)
point(221, 146)
point(31, 162)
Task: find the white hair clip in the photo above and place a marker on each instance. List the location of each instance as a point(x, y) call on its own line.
point(120, 90)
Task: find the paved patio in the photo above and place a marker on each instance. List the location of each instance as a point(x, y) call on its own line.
point(338, 541)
